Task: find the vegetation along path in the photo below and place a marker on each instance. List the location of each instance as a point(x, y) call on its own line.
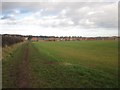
point(73, 64)
point(16, 70)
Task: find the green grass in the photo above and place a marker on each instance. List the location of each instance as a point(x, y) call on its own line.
point(75, 64)
point(10, 65)
point(67, 64)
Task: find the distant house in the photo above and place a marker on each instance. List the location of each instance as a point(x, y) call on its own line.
point(73, 38)
point(34, 39)
point(45, 38)
point(67, 39)
point(84, 38)
point(40, 39)
point(109, 38)
point(25, 38)
point(51, 39)
point(115, 38)
point(57, 39)
point(98, 38)
point(91, 38)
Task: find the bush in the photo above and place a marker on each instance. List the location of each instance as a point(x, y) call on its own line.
point(8, 40)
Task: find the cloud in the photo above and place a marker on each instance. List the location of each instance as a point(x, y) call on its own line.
point(84, 15)
point(106, 16)
point(103, 14)
point(46, 21)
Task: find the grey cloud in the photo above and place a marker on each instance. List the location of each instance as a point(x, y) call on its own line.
point(77, 12)
point(7, 17)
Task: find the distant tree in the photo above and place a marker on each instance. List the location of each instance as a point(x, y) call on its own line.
point(30, 37)
point(8, 40)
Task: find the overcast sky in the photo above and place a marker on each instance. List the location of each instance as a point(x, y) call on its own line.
point(60, 18)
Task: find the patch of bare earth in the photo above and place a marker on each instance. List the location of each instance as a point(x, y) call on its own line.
point(23, 75)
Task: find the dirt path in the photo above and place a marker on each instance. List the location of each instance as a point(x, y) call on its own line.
point(23, 76)
point(16, 69)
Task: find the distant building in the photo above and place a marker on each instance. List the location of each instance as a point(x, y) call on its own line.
point(91, 38)
point(73, 38)
point(34, 39)
point(26, 38)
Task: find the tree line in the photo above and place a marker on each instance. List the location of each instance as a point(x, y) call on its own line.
point(8, 40)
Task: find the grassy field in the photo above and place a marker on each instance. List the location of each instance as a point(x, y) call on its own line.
point(67, 64)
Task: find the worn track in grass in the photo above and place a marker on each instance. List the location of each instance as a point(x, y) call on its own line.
point(23, 76)
point(16, 73)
